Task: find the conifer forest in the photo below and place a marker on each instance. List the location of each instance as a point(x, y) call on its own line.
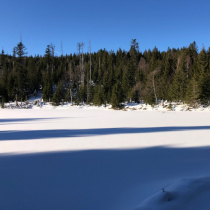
point(107, 77)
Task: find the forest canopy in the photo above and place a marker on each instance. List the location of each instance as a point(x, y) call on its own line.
point(108, 77)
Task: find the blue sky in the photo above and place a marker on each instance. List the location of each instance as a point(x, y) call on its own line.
point(108, 24)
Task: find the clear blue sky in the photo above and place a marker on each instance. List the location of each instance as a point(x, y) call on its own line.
point(108, 24)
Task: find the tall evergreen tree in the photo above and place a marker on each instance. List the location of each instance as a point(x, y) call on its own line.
point(117, 95)
point(22, 79)
point(59, 94)
point(192, 94)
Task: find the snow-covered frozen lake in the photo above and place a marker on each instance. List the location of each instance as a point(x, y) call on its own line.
point(87, 159)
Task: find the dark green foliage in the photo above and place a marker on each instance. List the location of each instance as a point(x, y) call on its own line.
point(22, 80)
point(77, 97)
point(174, 75)
point(204, 95)
point(192, 94)
point(117, 95)
point(47, 55)
point(11, 87)
point(99, 95)
point(129, 76)
point(166, 70)
point(203, 61)
point(180, 80)
point(59, 95)
point(136, 95)
point(2, 102)
point(47, 91)
point(149, 97)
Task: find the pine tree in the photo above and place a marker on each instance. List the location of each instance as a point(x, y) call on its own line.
point(149, 97)
point(184, 75)
point(4, 81)
point(192, 93)
point(129, 76)
point(59, 94)
point(166, 70)
point(2, 102)
point(203, 61)
point(77, 97)
point(32, 76)
point(47, 91)
point(180, 81)
point(47, 55)
point(11, 87)
point(21, 71)
point(98, 95)
point(204, 85)
point(117, 95)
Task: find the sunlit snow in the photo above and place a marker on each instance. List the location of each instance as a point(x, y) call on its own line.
point(96, 158)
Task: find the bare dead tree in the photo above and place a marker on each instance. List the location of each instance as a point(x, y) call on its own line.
point(188, 64)
point(178, 62)
point(71, 78)
point(143, 65)
point(61, 49)
point(89, 83)
point(71, 96)
point(88, 93)
point(79, 49)
point(1, 67)
point(52, 47)
point(81, 65)
point(90, 57)
point(16, 102)
point(82, 72)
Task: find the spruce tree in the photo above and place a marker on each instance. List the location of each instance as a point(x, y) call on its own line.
point(59, 94)
point(203, 61)
point(204, 85)
point(192, 94)
point(22, 80)
point(180, 81)
point(2, 102)
point(98, 95)
point(77, 97)
point(47, 91)
point(166, 70)
point(117, 95)
point(129, 76)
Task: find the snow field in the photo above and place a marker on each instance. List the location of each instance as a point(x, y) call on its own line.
point(93, 158)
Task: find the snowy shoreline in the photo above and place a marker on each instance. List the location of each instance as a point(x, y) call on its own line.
point(167, 107)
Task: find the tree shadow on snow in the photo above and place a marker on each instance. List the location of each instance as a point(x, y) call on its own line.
point(65, 133)
point(95, 179)
point(22, 120)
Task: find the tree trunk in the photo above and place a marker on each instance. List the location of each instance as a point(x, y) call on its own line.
point(16, 100)
point(71, 97)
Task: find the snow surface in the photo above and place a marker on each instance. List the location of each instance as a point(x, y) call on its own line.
point(95, 158)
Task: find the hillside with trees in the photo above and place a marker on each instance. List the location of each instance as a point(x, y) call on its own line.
point(107, 77)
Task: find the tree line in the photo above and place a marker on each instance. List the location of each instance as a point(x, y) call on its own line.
point(108, 77)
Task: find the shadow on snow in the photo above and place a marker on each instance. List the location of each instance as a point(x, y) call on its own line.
point(64, 133)
point(95, 179)
point(20, 120)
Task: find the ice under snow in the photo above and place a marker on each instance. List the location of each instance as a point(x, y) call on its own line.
point(86, 158)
